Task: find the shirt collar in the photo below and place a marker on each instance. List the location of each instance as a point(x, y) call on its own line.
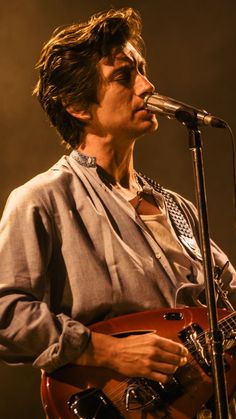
point(83, 159)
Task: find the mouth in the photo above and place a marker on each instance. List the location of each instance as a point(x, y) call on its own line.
point(145, 115)
point(143, 111)
point(140, 107)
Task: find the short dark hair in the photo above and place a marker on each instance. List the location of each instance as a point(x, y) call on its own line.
point(68, 65)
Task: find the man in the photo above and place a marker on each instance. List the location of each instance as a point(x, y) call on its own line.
point(91, 238)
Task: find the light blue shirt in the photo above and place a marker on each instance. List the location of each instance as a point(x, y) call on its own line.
point(73, 252)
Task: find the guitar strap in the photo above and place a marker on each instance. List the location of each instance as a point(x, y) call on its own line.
point(178, 218)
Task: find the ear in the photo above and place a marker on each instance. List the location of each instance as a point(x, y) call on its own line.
point(82, 114)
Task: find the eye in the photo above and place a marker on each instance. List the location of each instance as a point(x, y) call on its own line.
point(142, 70)
point(124, 76)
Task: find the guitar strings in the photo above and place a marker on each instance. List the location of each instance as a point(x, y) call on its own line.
point(118, 391)
point(117, 394)
point(226, 325)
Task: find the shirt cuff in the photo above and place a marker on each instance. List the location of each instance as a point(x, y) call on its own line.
point(71, 343)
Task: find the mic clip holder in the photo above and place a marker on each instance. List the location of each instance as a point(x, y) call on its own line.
point(191, 117)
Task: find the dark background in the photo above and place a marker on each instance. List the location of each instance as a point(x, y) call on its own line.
point(191, 54)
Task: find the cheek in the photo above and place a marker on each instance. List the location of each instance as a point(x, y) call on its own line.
point(119, 96)
point(116, 109)
point(114, 116)
point(115, 105)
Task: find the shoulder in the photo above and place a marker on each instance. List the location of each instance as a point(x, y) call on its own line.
point(40, 190)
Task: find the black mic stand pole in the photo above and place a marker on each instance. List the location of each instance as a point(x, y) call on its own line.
point(215, 334)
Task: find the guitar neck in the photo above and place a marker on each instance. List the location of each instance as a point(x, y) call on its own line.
point(228, 327)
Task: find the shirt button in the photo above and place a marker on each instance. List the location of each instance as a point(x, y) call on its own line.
point(158, 255)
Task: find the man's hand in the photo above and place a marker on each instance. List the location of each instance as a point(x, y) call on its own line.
point(147, 355)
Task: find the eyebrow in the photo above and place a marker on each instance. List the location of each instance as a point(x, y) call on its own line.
point(128, 64)
point(133, 60)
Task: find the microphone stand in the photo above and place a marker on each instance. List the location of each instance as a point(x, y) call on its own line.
point(215, 334)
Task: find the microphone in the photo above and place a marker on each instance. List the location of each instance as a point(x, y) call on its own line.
point(186, 114)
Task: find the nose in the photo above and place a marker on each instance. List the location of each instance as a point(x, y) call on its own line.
point(143, 85)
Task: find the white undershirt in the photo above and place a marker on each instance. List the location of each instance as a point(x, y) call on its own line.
point(164, 234)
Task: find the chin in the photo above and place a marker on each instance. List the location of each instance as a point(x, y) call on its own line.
point(151, 126)
point(146, 131)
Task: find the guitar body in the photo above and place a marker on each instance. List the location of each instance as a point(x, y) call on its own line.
point(88, 393)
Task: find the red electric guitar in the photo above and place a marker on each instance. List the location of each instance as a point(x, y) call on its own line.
point(96, 393)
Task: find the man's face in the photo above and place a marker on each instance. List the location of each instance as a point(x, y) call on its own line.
point(123, 85)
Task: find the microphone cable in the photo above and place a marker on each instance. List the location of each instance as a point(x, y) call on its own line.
point(233, 147)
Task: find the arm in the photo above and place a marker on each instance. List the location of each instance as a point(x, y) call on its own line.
point(148, 355)
point(29, 331)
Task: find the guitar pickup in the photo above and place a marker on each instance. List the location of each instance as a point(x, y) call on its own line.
point(194, 339)
point(93, 403)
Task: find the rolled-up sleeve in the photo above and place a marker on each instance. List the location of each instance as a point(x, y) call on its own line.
point(29, 331)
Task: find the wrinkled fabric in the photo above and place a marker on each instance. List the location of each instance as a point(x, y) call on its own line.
point(73, 252)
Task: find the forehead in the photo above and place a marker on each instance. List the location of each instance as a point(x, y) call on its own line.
point(128, 55)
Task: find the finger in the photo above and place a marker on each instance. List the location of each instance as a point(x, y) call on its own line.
point(169, 358)
point(171, 346)
point(164, 368)
point(159, 377)
point(160, 371)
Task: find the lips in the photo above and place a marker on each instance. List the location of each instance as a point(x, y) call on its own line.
point(143, 110)
point(140, 108)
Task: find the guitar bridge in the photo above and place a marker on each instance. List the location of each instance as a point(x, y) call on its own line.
point(145, 394)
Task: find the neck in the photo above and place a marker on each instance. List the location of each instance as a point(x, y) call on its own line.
point(114, 157)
